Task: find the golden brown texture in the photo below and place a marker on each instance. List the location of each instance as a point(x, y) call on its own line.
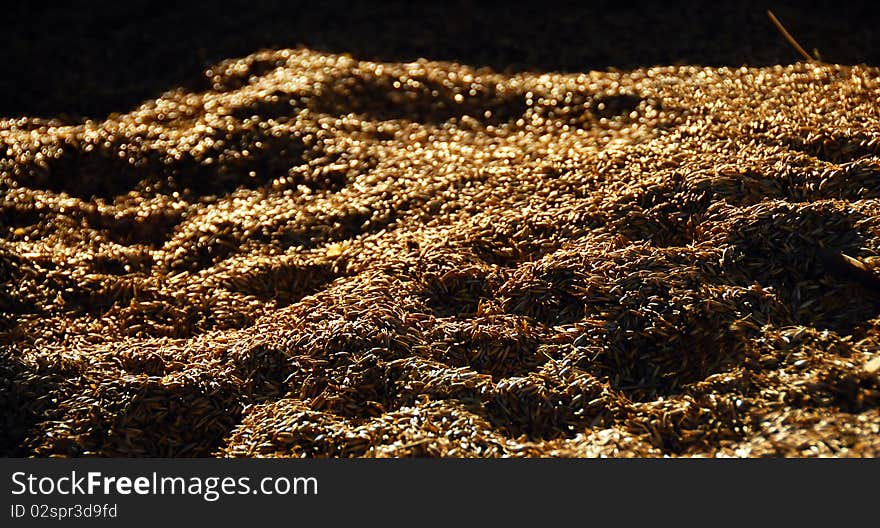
point(320, 256)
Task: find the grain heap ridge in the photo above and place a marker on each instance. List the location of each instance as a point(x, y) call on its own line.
point(319, 256)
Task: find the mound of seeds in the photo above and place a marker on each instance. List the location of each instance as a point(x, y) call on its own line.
point(318, 256)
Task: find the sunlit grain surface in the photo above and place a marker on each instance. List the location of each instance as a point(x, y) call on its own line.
point(319, 256)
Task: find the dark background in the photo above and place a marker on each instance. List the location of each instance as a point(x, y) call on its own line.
point(89, 59)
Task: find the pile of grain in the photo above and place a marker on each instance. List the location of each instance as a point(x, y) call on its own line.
point(318, 256)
